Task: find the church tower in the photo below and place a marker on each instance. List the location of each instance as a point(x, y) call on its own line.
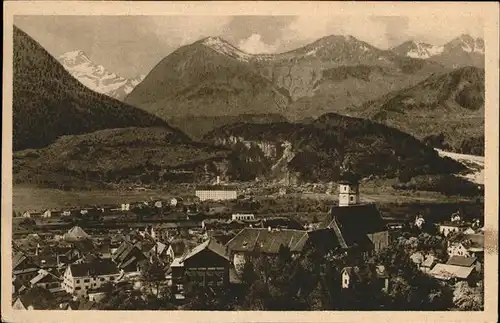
point(349, 190)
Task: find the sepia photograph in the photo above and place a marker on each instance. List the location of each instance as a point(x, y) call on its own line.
point(214, 157)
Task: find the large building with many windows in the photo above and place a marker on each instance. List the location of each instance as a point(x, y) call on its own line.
point(216, 193)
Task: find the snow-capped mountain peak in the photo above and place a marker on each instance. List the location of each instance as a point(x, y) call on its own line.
point(96, 77)
point(418, 49)
point(223, 47)
point(74, 57)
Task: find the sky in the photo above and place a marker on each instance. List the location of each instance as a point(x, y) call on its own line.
point(133, 45)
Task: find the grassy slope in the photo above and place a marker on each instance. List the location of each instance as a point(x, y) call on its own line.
point(113, 156)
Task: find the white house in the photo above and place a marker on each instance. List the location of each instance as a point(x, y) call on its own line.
point(78, 279)
point(31, 214)
point(125, 207)
point(471, 245)
point(456, 224)
point(349, 275)
point(66, 213)
point(159, 204)
point(173, 201)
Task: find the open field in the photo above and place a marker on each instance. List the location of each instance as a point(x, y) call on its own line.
point(34, 198)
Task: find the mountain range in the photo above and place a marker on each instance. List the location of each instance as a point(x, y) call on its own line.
point(96, 77)
point(211, 77)
point(241, 104)
point(459, 52)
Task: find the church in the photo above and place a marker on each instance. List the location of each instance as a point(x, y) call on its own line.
point(358, 228)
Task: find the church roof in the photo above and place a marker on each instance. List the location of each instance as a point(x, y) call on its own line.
point(351, 224)
point(349, 178)
point(211, 245)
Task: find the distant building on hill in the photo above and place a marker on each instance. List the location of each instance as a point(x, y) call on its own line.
point(216, 193)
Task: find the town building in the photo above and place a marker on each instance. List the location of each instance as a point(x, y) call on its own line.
point(242, 217)
point(78, 279)
point(24, 268)
point(350, 277)
point(76, 234)
point(129, 257)
point(465, 262)
point(254, 241)
point(32, 214)
point(205, 266)
point(359, 227)
point(470, 245)
point(216, 193)
point(455, 225)
point(447, 272)
point(48, 279)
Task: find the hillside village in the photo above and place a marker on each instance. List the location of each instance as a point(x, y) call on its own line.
point(189, 253)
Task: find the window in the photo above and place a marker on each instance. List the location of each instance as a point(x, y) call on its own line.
point(78, 288)
point(78, 281)
point(112, 278)
point(102, 279)
point(86, 280)
point(352, 198)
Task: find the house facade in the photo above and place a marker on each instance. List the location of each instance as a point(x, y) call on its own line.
point(205, 266)
point(78, 279)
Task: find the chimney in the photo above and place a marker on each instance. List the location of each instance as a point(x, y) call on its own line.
point(218, 180)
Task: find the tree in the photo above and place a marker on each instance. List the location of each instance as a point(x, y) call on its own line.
point(154, 275)
point(41, 298)
point(468, 298)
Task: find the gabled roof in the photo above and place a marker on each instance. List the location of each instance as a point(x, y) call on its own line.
point(429, 261)
point(461, 261)
point(20, 258)
point(95, 268)
point(76, 233)
point(211, 245)
point(446, 272)
point(158, 248)
point(353, 272)
point(268, 241)
point(45, 276)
